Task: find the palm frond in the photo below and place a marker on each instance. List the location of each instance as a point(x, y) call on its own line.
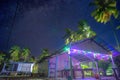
point(104, 10)
point(118, 27)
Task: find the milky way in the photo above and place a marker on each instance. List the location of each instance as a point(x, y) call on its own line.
point(41, 23)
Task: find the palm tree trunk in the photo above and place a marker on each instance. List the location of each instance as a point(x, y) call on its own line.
point(116, 39)
point(115, 35)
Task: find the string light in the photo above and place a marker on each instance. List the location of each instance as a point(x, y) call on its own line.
point(95, 55)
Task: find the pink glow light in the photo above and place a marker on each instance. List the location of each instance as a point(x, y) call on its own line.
point(95, 55)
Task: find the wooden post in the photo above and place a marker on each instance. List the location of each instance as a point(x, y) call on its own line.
point(56, 67)
point(97, 70)
point(3, 69)
point(48, 69)
point(92, 74)
point(13, 67)
point(83, 76)
point(114, 67)
point(71, 69)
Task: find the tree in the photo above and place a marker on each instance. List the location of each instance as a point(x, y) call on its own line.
point(2, 57)
point(84, 66)
point(83, 32)
point(70, 36)
point(32, 59)
point(117, 62)
point(25, 54)
point(15, 53)
point(44, 54)
point(35, 68)
point(40, 59)
point(104, 66)
point(118, 27)
point(104, 10)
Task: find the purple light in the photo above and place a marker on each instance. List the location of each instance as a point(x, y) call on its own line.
point(74, 50)
point(95, 55)
point(79, 52)
point(89, 52)
point(84, 52)
point(69, 52)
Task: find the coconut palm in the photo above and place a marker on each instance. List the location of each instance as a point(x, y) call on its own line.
point(35, 68)
point(118, 27)
point(104, 66)
point(117, 62)
point(25, 54)
point(41, 58)
point(104, 10)
point(15, 53)
point(83, 32)
point(32, 59)
point(2, 57)
point(70, 36)
point(44, 55)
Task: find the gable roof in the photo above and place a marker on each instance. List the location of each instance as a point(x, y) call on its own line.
point(96, 44)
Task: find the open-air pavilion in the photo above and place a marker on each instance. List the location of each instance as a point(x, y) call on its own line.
point(67, 64)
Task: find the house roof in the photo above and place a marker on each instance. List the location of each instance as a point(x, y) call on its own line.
point(94, 45)
point(92, 49)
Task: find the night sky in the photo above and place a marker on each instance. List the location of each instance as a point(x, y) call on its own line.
point(41, 23)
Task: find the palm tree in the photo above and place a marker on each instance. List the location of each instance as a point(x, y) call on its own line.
point(44, 55)
point(104, 66)
point(84, 29)
point(15, 53)
point(35, 68)
point(70, 36)
point(104, 10)
point(118, 27)
point(2, 57)
point(32, 59)
point(117, 62)
point(25, 54)
point(40, 59)
point(83, 32)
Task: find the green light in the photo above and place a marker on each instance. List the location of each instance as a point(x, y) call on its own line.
point(66, 48)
